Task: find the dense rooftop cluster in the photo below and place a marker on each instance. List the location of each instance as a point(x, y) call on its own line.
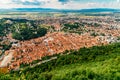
point(57, 42)
point(63, 33)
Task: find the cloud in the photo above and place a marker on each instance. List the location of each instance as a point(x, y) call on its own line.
point(118, 0)
point(28, 2)
point(63, 1)
point(18, 3)
point(60, 4)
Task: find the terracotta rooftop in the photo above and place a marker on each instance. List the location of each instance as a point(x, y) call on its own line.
point(50, 44)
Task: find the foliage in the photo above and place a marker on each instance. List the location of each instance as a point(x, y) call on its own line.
point(25, 32)
point(3, 70)
point(94, 34)
point(21, 29)
point(71, 26)
point(95, 63)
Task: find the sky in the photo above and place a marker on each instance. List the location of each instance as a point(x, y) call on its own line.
point(60, 4)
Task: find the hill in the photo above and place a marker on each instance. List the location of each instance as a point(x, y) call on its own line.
point(95, 63)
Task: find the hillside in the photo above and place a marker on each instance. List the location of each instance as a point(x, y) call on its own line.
point(28, 41)
point(98, 63)
point(60, 48)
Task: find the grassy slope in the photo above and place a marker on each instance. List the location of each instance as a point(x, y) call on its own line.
point(96, 63)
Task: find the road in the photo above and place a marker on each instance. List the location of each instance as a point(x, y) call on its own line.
point(41, 62)
point(6, 60)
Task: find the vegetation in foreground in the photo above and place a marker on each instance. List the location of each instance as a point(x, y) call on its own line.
point(95, 63)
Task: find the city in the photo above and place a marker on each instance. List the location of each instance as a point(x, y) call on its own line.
point(42, 43)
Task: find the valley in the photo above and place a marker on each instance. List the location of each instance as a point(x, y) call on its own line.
point(35, 39)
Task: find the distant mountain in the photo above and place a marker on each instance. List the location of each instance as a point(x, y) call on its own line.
point(60, 10)
point(36, 9)
point(100, 10)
